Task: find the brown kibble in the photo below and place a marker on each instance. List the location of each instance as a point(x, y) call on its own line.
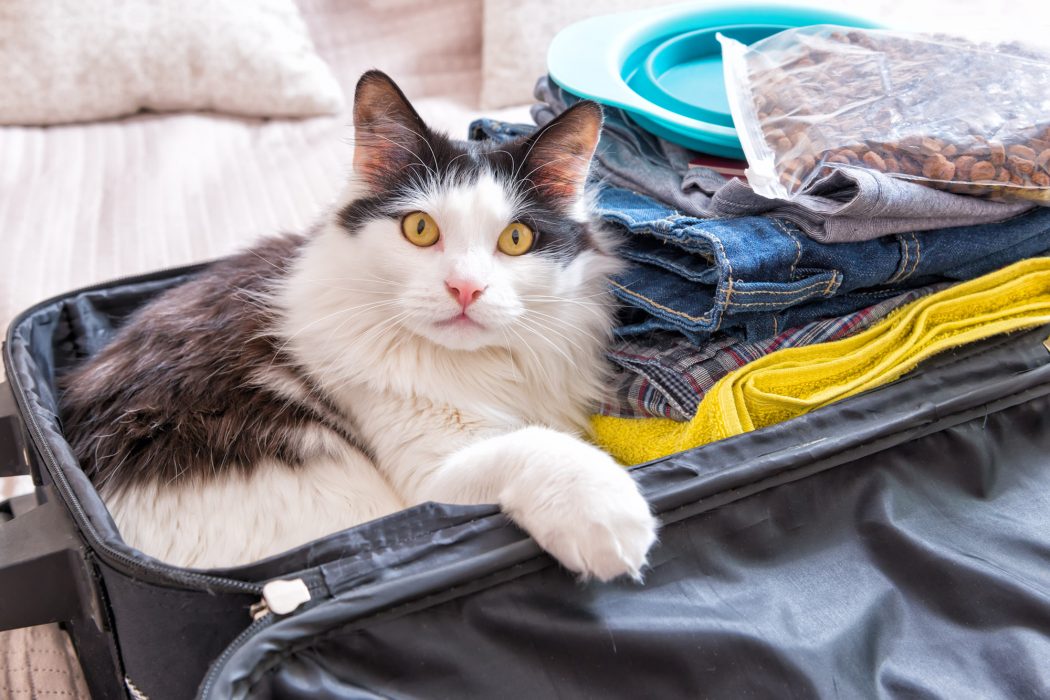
point(892, 166)
point(774, 135)
point(1003, 175)
point(909, 166)
point(911, 142)
point(783, 144)
point(937, 167)
point(998, 153)
point(1020, 166)
point(849, 154)
point(930, 146)
point(949, 150)
point(982, 171)
point(808, 161)
point(874, 160)
point(1043, 160)
point(963, 165)
point(1041, 179)
point(837, 158)
point(1021, 152)
point(1016, 180)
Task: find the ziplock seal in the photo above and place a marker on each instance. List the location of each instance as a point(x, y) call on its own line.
point(761, 171)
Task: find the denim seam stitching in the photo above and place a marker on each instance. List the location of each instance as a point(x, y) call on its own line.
point(831, 281)
point(729, 286)
point(798, 246)
point(904, 264)
point(810, 285)
point(658, 305)
point(918, 254)
point(729, 295)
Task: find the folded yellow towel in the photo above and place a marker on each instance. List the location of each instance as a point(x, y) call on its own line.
point(793, 381)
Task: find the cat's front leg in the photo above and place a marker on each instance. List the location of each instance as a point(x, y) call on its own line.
point(575, 500)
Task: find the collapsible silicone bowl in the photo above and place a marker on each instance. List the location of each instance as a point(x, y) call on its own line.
point(664, 66)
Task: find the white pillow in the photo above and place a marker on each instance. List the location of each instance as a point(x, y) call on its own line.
point(77, 60)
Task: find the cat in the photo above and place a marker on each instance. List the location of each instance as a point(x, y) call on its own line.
point(437, 337)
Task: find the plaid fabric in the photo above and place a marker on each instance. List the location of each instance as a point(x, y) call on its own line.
point(666, 376)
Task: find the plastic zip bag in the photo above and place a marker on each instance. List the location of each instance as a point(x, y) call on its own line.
point(949, 113)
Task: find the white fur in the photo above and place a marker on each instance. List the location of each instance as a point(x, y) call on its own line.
point(489, 413)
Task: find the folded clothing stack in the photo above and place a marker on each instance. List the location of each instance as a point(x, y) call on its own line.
point(794, 381)
point(720, 277)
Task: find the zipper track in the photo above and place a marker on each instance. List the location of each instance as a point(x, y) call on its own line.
point(217, 666)
point(155, 572)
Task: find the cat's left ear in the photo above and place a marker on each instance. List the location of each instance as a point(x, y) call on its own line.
point(559, 154)
point(389, 134)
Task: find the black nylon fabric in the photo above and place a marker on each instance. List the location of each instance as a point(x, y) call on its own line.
point(894, 545)
point(923, 571)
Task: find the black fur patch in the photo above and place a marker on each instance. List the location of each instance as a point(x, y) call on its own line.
point(436, 155)
point(176, 394)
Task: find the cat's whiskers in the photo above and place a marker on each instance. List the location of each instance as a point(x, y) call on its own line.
point(511, 355)
point(331, 358)
point(538, 367)
point(387, 326)
point(540, 332)
point(550, 327)
point(338, 312)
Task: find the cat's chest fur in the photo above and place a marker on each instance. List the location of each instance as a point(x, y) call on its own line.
point(439, 336)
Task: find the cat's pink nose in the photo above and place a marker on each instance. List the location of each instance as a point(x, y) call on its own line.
point(464, 291)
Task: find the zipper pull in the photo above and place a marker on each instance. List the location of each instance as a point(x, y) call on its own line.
point(280, 598)
point(1046, 343)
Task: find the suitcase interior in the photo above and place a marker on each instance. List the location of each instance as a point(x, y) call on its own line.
point(853, 551)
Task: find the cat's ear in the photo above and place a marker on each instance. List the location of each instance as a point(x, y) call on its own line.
point(388, 133)
point(559, 154)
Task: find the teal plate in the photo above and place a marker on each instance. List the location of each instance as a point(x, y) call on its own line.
point(664, 66)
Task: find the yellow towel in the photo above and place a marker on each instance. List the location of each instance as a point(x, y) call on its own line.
point(793, 381)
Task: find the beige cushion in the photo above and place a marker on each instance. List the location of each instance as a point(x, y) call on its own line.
point(515, 37)
point(79, 60)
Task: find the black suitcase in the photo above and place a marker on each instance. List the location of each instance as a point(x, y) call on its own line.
point(896, 544)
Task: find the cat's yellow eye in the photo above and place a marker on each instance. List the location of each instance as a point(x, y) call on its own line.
point(420, 229)
point(516, 239)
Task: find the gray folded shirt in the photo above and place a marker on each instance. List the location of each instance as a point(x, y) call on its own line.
point(854, 204)
point(850, 204)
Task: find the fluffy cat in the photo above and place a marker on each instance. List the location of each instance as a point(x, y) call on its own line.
point(438, 337)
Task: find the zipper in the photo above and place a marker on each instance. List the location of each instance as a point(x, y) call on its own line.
point(281, 597)
point(260, 623)
point(157, 572)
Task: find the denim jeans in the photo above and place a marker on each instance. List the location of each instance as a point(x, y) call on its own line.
point(753, 277)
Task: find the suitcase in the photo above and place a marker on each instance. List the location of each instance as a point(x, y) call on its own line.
point(896, 544)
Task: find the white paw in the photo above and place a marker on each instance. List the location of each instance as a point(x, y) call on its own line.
point(583, 508)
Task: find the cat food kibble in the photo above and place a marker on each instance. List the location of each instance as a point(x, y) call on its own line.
point(965, 117)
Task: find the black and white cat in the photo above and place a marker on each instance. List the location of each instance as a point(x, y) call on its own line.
point(439, 337)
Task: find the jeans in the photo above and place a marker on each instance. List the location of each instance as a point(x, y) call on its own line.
point(753, 277)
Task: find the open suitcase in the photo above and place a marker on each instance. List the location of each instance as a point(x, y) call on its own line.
point(896, 544)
